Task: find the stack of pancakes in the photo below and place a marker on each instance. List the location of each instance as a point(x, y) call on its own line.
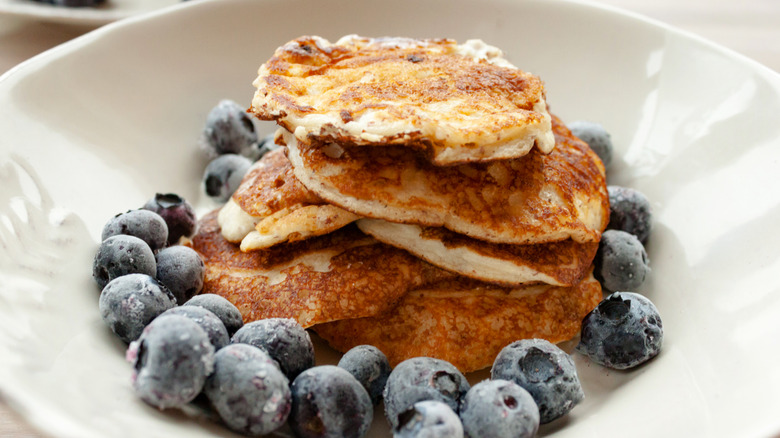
point(424, 202)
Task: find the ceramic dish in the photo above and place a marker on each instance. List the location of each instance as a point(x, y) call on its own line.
point(98, 125)
point(111, 10)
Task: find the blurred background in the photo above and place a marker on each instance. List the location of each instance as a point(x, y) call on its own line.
point(749, 27)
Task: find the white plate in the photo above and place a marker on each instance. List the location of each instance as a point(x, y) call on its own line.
point(109, 11)
point(97, 126)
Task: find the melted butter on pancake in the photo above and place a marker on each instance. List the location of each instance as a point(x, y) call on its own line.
point(461, 103)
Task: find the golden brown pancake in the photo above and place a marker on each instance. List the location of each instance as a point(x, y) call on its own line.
point(466, 322)
point(561, 263)
point(534, 199)
point(460, 103)
point(271, 206)
point(344, 274)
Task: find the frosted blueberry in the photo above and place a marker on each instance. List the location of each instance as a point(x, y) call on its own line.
point(121, 255)
point(422, 378)
point(224, 309)
point(130, 302)
point(596, 137)
point(429, 419)
point(370, 367)
point(630, 211)
point(223, 175)
point(170, 361)
point(178, 214)
point(208, 321)
point(623, 331)
point(499, 408)
point(327, 401)
point(144, 224)
point(545, 371)
point(229, 130)
point(621, 262)
point(181, 270)
point(248, 391)
point(283, 339)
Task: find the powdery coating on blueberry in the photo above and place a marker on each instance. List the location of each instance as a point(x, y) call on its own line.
point(248, 391)
point(208, 321)
point(545, 371)
point(286, 341)
point(178, 214)
point(220, 306)
point(170, 361)
point(499, 408)
point(144, 224)
point(229, 130)
point(621, 262)
point(223, 175)
point(630, 211)
point(121, 255)
point(596, 137)
point(623, 331)
point(130, 302)
point(429, 419)
point(422, 378)
point(181, 270)
point(370, 367)
point(327, 401)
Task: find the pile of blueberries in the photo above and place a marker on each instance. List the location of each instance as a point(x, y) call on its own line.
point(261, 376)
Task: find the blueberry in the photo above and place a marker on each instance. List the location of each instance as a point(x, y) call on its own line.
point(327, 401)
point(248, 391)
point(130, 302)
point(422, 378)
point(229, 130)
point(121, 255)
point(224, 309)
point(283, 339)
point(621, 262)
point(545, 371)
point(370, 367)
point(171, 360)
point(181, 270)
point(596, 137)
point(144, 224)
point(623, 331)
point(223, 175)
point(429, 419)
point(499, 408)
point(208, 321)
point(629, 211)
point(178, 214)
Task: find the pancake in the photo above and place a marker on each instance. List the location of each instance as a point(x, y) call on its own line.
point(534, 199)
point(292, 225)
point(466, 322)
point(459, 103)
point(271, 206)
point(343, 274)
point(558, 263)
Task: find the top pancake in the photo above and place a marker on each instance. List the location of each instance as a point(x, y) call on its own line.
point(538, 198)
point(461, 103)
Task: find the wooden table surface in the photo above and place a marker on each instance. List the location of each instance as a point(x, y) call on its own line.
point(750, 27)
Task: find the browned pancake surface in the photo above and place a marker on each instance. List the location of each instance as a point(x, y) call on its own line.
point(344, 274)
point(534, 199)
point(427, 94)
point(466, 322)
